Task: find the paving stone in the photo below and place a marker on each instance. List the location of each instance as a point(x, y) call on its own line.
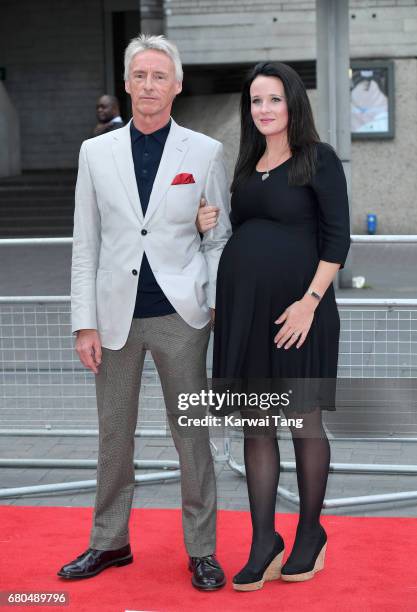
point(232, 492)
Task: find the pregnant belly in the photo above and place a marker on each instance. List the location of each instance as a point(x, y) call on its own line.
point(264, 249)
point(266, 263)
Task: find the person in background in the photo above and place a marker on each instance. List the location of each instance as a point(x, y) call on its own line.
point(108, 115)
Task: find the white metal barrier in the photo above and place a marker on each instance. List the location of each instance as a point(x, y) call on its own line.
point(390, 331)
point(364, 316)
point(355, 238)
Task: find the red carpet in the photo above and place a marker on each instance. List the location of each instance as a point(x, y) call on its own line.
point(371, 564)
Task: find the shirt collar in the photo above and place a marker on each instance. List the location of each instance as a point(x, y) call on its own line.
point(160, 135)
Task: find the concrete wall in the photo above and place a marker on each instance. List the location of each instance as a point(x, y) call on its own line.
point(53, 54)
point(56, 53)
point(220, 31)
point(384, 180)
point(54, 58)
point(384, 177)
point(215, 115)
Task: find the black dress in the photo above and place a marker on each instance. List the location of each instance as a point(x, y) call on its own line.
point(280, 233)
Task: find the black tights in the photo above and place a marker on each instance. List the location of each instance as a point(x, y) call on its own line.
point(262, 464)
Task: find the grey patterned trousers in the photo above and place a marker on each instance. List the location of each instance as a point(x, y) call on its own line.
point(179, 352)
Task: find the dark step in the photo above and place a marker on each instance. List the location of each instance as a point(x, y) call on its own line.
point(37, 204)
point(56, 233)
point(37, 232)
point(39, 208)
point(31, 220)
point(34, 197)
point(34, 207)
point(18, 189)
point(42, 177)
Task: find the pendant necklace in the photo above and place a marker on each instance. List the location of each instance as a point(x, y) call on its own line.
point(266, 174)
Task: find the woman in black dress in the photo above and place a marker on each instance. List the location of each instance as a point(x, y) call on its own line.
point(276, 314)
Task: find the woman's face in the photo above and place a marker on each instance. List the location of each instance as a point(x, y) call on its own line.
point(268, 105)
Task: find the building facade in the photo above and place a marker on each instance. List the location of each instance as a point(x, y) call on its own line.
point(63, 54)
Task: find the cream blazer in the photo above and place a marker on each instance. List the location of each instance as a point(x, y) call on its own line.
point(109, 238)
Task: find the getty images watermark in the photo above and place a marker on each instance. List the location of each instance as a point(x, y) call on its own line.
point(218, 401)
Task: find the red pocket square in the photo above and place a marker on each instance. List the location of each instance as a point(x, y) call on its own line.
point(183, 179)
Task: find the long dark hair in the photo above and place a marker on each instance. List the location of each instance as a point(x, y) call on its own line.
point(301, 131)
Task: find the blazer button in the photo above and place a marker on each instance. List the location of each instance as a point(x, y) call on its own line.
point(144, 232)
point(134, 272)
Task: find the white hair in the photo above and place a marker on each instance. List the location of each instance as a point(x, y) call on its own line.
point(144, 42)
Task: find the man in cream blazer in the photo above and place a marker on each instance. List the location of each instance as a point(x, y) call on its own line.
point(143, 279)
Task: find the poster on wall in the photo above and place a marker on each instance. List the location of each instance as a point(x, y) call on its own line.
point(372, 99)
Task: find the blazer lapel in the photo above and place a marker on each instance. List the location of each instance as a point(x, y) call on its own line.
point(122, 153)
point(174, 151)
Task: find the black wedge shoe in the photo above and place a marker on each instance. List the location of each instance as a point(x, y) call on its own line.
point(248, 580)
point(298, 572)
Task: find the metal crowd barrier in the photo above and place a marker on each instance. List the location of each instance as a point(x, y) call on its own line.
point(355, 238)
point(42, 346)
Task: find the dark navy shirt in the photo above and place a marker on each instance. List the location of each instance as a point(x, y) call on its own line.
point(147, 151)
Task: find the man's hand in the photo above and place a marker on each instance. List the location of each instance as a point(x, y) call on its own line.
point(207, 217)
point(88, 347)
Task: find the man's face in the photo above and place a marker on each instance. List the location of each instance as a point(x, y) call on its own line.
point(152, 83)
point(105, 109)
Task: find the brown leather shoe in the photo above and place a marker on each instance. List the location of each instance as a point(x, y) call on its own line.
point(207, 573)
point(94, 561)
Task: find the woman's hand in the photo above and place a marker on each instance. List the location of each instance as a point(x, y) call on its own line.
point(207, 217)
point(298, 318)
point(212, 317)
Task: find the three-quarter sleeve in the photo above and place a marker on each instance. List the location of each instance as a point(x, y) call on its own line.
point(329, 186)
